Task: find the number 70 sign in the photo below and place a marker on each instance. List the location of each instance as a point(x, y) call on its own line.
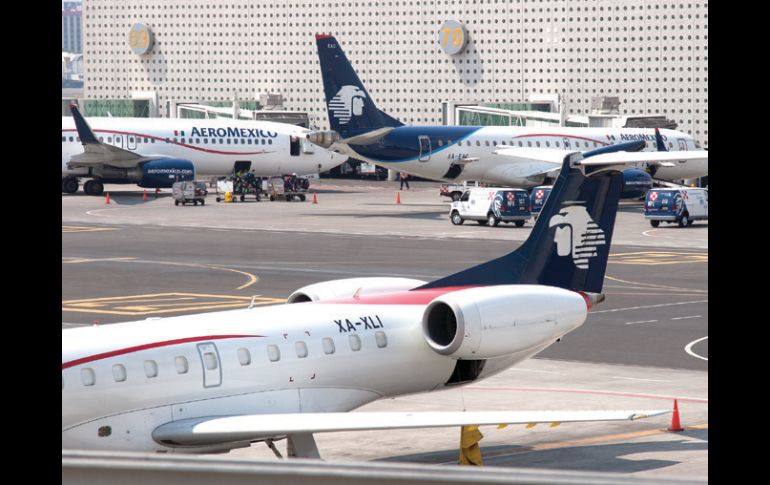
point(452, 37)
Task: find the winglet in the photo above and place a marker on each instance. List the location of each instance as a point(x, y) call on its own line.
point(84, 131)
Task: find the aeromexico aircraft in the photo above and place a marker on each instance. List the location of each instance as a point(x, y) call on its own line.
point(156, 152)
point(217, 381)
point(511, 156)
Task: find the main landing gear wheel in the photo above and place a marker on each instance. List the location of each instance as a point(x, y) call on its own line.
point(69, 186)
point(93, 187)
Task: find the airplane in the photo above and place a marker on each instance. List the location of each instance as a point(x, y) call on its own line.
point(156, 152)
point(216, 381)
point(515, 156)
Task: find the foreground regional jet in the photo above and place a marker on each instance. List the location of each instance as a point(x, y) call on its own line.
point(217, 381)
point(156, 152)
point(501, 155)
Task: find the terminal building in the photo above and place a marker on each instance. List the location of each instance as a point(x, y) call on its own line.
point(168, 55)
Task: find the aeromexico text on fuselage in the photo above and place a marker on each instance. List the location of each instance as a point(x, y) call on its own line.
point(230, 132)
point(407, 143)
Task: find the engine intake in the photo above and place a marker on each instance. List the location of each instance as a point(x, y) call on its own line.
point(323, 139)
point(163, 173)
point(487, 322)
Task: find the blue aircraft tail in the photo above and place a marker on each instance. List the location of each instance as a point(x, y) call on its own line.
point(570, 243)
point(350, 108)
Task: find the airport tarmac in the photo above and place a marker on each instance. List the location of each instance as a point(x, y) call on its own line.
point(646, 344)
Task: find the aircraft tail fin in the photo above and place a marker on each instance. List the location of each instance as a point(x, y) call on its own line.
point(350, 108)
point(659, 143)
point(570, 243)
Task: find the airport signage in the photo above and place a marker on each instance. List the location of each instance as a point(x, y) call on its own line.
point(140, 39)
point(452, 37)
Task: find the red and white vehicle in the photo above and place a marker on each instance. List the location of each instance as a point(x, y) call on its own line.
point(216, 381)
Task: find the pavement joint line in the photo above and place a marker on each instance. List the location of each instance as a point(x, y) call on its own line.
point(643, 307)
point(590, 391)
point(642, 321)
point(581, 442)
point(685, 318)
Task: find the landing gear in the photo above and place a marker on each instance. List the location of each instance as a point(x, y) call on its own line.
point(69, 185)
point(93, 187)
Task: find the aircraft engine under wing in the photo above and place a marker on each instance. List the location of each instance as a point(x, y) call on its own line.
point(216, 430)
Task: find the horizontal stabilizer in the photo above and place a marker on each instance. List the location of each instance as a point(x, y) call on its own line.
point(215, 430)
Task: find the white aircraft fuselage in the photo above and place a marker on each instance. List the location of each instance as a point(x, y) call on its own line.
point(213, 145)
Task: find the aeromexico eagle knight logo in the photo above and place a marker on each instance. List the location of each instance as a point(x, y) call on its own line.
point(576, 234)
point(348, 102)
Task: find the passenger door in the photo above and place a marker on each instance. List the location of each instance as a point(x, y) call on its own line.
point(212, 368)
point(424, 148)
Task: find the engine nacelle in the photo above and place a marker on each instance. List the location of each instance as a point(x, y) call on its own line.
point(160, 174)
point(636, 183)
point(346, 288)
point(487, 322)
point(323, 138)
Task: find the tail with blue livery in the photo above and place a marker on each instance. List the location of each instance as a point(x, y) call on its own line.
point(570, 243)
point(351, 110)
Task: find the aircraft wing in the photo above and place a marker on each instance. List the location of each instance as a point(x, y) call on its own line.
point(216, 430)
point(664, 159)
point(98, 153)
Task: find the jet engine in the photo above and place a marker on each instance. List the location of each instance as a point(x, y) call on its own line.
point(346, 288)
point(163, 173)
point(636, 183)
point(323, 139)
point(482, 323)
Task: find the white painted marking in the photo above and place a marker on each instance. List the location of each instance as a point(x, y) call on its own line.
point(642, 321)
point(689, 347)
point(651, 306)
point(638, 379)
point(685, 318)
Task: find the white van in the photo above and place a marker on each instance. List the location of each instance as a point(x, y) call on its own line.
point(491, 205)
point(681, 205)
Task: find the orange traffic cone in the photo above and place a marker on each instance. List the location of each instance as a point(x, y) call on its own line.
point(675, 425)
point(398, 197)
point(315, 199)
point(144, 197)
point(108, 198)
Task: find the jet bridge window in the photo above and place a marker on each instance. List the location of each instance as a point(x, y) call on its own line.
point(87, 376)
point(301, 348)
point(355, 342)
point(328, 345)
point(119, 372)
point(244, 356)
point(273, 353)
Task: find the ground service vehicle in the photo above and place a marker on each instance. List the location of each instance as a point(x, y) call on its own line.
point(189, 191)
point(537, 199)
point(455, 191)
point(490, 206)
point(681, 205)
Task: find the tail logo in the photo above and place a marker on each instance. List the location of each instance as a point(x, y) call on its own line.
point(348, 102)
point(577, 234)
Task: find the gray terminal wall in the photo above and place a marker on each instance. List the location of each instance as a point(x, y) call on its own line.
point(652, 54)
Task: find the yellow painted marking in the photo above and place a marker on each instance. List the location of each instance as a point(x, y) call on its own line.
point(162, 303)
point(531, 425)
point(658, 258)
point(502, 426)
point(87, 229)
point(554, 424)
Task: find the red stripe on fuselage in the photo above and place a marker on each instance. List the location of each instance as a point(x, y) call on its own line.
point(153, 345)
point(171, 142)
point(411, 297)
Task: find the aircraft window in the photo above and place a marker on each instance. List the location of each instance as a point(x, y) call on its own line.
point(139, 140)
point(494, 143)
point(205, 141)
point(548, 143)
point(146, 140)
point(467, 143)
point(174, 140)
point(210, 360)
point(381, 338)
point(119, 372)
point(263, 141)
point(328, 345)
point(109, 139)
point(301, 348)
point(273, 353)
point(269, 142)
point(221, 141)
point(529, 143)
point(152, 140)
point(197, 140)
point(244, 356)
point(441, 143)
point(478, 143)
point(181, 365)
point(87, 376)
point(64, 138)
point(228, 141)
point(596, 144)
point(167, 140)
point(182, 140)
point(355, 342)
point(131, 139)
point(486, 142)
point(557, 144)
point(235, 141)
point(585, 144)
point(71, 139)
point(249, 142)
point(101, 140)
point(150, 368)
point(77, 138)
point(537, 143)
point(213, 141)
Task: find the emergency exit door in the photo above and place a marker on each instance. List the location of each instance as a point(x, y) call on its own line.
point(212, 369)
point(424, 148)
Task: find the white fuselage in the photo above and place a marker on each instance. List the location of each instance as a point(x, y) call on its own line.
point(214, 146)
point(121, 381)
point(435, 158)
